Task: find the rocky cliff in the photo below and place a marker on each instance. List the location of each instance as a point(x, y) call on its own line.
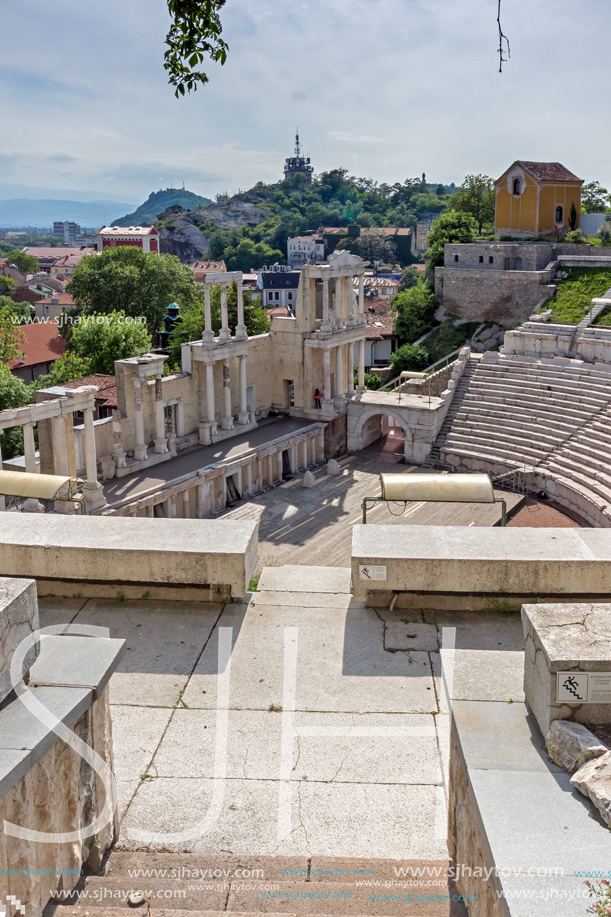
point(187, 233)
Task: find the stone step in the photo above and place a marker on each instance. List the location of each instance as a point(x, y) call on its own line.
point(501, 460)
point(580, 475)
point(513, 427)
point(555, 395)
point(520, 451)
point(249, 896)
point(532, 418)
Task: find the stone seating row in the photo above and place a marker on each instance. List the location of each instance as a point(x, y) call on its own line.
point(555, 431)
point(558, 381)
point(578, 391)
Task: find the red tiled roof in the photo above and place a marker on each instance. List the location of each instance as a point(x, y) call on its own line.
point(107, 385)
point(43, 344)
point(380, 305)
point(379, 327)
point(48, 253)
point(546, 171)
point(208, 266)
point(279, 312)
point(60, 299)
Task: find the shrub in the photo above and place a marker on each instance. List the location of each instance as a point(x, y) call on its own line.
point(576, 236)
point(410, 357)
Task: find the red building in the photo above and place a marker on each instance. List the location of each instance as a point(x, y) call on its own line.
point(144, 237)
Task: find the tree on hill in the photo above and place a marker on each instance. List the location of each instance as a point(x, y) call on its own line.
point(6, 284)
point(128, 280)
point(248, 256)
point(476, 197)
point(158, 202)
point(375, 245)
point(455, 226)
point(102, 339)
point(594, 198)
point(409, 278)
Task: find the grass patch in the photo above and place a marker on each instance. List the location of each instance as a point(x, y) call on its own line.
point(447, 338)
point(575, 295)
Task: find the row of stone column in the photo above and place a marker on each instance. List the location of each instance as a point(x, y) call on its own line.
point(355, 315)
point(60, 455)
point(339, 371)
point(227, 416)
point(225, 332)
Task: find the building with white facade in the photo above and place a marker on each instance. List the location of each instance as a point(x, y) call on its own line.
point(305, 250)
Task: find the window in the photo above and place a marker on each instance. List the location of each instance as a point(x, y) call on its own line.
point(455, 257)
point(491, 260)
point(289, 295)
point(516, 186)
point(559, 214)
point(277, 295)
point(46, 310)
point(481, 259)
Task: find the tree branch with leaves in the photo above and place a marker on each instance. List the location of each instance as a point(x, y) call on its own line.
point(195, 34)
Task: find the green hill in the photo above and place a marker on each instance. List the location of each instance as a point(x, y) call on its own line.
point(158, 202)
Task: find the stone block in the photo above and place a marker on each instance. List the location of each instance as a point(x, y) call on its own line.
point(308, 479)
point(574, 639)
point(333, 467)
point(18, 619)
point(571, 745)
point(594, 781)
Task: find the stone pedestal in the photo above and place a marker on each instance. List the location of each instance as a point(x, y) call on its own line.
point(567, 665)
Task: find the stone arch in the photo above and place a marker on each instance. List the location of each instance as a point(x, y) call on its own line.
point(356, 426)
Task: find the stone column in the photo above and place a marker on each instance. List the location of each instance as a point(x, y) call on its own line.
point(210, 409)
point(326, 356)
point(240, 331)
point(326, 322)
point(361, 385)
point(208, 336)
point(180, 418)
point(117, 441)
point(249, 479)
point(321, 446)
point(339, 373)
point(227, 422)
point(60, 448)
point(161, 445)
point(243, 416)
point(2, 500)
point(225, 334)
point(280, 464)
point(140, 450)
point(93, 492)
point(350, 391)
point(185, 504)
point(361, 312)
point(31, 504)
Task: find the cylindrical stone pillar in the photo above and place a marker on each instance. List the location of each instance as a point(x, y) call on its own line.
point(208, 336)
point(140, 450)
point(243, 416)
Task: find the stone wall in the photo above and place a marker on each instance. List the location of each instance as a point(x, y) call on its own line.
point(336, 437)
point(534, 256)
point(539, 339)
point(506, 297)
point(57, 794)
point(434, 384)
point(18, 619)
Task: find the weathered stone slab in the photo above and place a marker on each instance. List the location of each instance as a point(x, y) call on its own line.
point(76, 662)
point(571, 745)
point(292, 578)
point(399, 636)
point(594, 781)
point(565, 638)
point(493, 561)
point(109, 549)
point(18, 619)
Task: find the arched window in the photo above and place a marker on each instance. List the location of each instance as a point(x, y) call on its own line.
point(559, 214)
point(516, 186)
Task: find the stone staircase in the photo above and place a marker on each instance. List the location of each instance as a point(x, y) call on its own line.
point(547, 417)
point(186, 885)
point(434, 456)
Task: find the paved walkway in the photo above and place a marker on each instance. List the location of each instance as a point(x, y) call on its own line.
point(360, 775)
point(141, 481)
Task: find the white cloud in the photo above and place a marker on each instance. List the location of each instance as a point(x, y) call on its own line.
point(353, 138)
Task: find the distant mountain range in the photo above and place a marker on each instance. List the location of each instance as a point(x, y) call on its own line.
point(158, 202)
point(22, 212)
point(9, 191)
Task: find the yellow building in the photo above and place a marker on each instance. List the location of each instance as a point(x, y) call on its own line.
point(535, 199)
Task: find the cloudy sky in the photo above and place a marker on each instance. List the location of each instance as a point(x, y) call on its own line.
point(386, 88)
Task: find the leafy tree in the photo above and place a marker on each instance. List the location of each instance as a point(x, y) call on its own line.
point(248, 256)
point(21, 310)
point(414, 312)
point(140, 284)
point(25, 263)
point(409, 358)
point(11, 338)
point(7, 284)
point(455, 226)
point(573, 217)
point(67, 369)
point(13, 394)
point(375, 245)
point(192, 320)
point(476, 196)
point(409, 278)
point(102, 339)
point(594, 198)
